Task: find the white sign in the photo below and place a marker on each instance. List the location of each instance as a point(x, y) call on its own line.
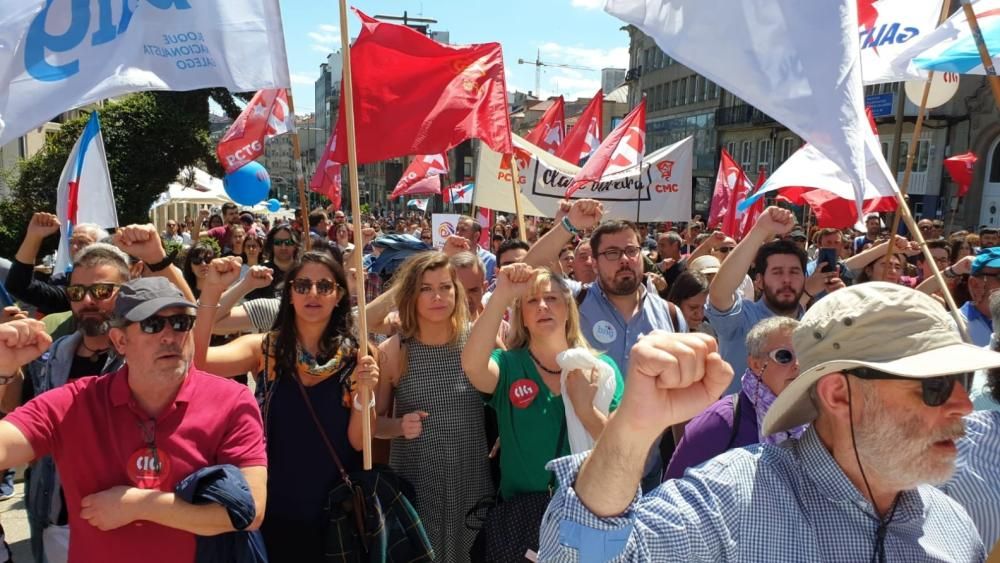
point(657, 190)
point(55, 56)
point(443, 226)
point(944, 86)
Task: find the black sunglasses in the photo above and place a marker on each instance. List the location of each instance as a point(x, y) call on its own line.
point(203, 259)
point(284, 242)
point(935, 391)
point(99, 291)
point(302, 286)
point(155, 324)
point(783, 356)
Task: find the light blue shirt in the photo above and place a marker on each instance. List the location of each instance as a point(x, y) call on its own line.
point(980, 326)
point(489, 262)
point(606, 328)
point(785, 503)
point(976, 483)
point(731, 328)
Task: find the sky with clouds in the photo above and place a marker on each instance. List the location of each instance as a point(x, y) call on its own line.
point(570, 32)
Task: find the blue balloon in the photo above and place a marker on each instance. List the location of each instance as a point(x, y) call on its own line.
point(248, 184)
point(273, 205)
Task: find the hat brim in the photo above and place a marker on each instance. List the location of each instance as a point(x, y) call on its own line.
point(793, 408)
point(153, 306)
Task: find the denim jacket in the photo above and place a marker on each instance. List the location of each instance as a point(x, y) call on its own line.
point(46, 373)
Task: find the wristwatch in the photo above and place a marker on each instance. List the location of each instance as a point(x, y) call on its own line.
point(163, 264)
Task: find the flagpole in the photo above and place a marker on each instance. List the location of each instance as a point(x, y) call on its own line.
point(359, 272)
point(984, 53)
point(515, 174)
point(300, 178)
point(911, 151)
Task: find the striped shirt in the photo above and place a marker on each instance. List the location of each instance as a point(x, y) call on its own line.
point(789, 502)
point(976, 483)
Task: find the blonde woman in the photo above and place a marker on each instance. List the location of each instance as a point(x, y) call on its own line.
point(524, 388)
point(429, 409)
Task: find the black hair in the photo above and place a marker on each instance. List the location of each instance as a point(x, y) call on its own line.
point(227, 206)
point(610, 228)
point(199, 250)
point(686, 286)
point(778, 247)
point(269, 241)
point(932, 244)
point(512, 244)
point(339, 326)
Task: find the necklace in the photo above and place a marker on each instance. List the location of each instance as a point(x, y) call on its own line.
point(92, 351)
point(539, 364)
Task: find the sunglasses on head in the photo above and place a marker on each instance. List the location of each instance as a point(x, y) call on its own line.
point(284, 242)
point(155, 324)
point(99, 291)
point(303, 286)
point(782, 356)
point(935, 391)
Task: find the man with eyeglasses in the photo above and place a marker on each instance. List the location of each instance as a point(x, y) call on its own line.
point(984, 281)
point(735, 420)
point(98, 272)
point(123, 442)
point(940, 251)
point(882, 385)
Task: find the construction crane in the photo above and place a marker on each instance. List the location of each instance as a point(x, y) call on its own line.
point(538, 69)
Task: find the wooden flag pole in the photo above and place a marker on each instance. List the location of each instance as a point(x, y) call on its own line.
point(911, 151)
point(984, 52)
point(300, 178)
point(359, 271)
point(515, 174)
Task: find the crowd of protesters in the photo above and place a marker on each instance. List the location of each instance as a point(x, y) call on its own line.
point(577, 388)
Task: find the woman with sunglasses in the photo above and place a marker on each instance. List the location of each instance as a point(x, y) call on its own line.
point(735, 420)
point(196, 264)
point(281, 248)
point(437, 421)
point(312, 346)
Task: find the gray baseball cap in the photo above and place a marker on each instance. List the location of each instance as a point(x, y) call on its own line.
point(142, 298)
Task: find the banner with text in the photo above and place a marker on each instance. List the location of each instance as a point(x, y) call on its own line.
point(659, 189)
point(55, 56)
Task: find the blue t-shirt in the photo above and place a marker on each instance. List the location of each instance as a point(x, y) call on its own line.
point(980, 326)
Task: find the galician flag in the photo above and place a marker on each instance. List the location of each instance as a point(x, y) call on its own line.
point(84, 194)
point(461, 194)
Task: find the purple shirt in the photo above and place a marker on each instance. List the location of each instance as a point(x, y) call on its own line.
point(707, 435)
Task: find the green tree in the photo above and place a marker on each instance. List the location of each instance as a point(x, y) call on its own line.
point(149, 137)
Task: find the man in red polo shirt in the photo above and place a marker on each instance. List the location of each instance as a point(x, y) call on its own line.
point(123, 441)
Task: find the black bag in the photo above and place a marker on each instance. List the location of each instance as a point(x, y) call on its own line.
point(369, 517)
point(511, 526)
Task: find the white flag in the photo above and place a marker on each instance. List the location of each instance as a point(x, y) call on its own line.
point(55, 56)
point(796, 61)
point(84, 194)
point(888, 28)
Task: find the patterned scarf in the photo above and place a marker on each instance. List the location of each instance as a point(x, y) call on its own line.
point(341, 365)
point(762, 398)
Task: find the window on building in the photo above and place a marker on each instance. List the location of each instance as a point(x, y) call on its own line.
point(731, 148)
point(746, 154)
point(904, 147)
point(689, 94)
point(467, 167)
point(682, 92)
point(788, 146)
point(923, 155)
point(646, 56)
point(699, 89)
point(673, 94)
point(763, 156)
point(995, 164)
point(707, 90)
point(665, 96)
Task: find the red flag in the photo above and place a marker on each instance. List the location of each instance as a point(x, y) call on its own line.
point(960, 167)
point(622, 149)
point(751, 215)
point(484, 217)
point(832, 211)
point(264, 117)
point(422, 176)
point(731, 187)
point(550, 131)
point(326, 180)
point(584, 138)
point(413, 95)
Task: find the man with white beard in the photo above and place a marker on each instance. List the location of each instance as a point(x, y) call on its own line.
point(882, 379)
